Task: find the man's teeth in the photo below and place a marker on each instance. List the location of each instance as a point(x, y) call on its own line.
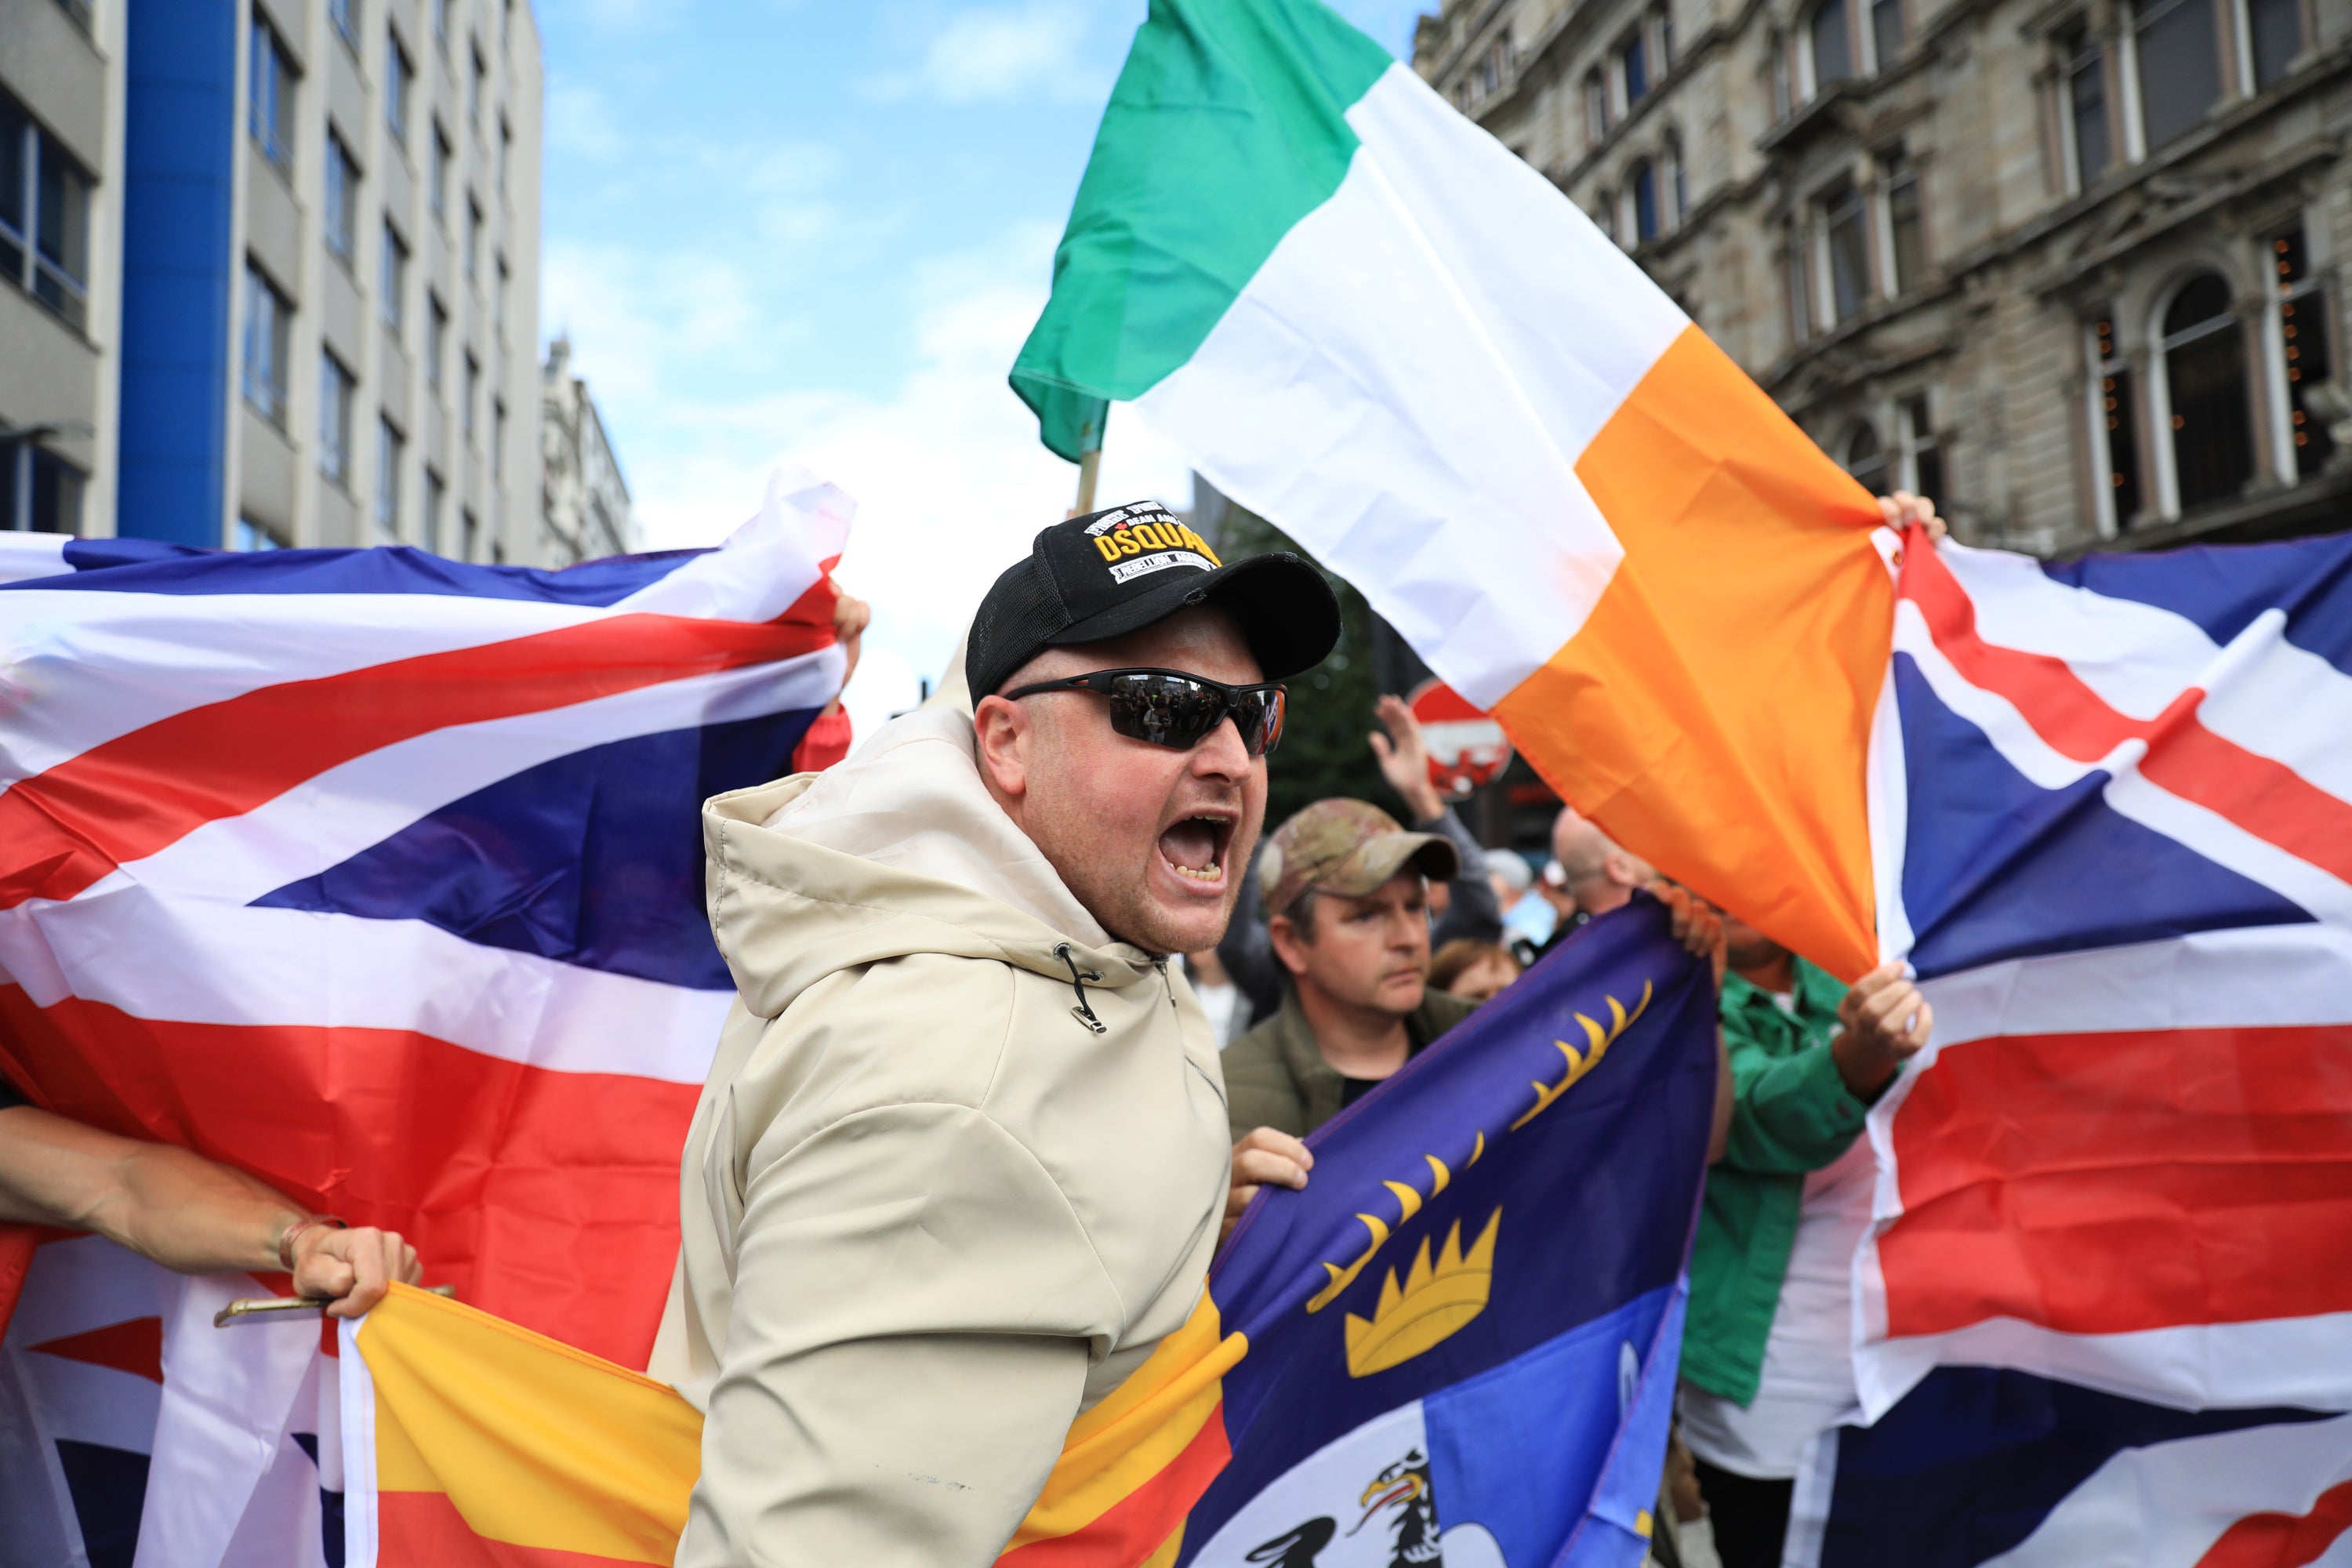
point(1189, 847)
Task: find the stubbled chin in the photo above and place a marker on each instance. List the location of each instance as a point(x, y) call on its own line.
point(1169, 916)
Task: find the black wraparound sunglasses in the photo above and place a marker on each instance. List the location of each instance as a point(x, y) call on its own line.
point(1169, 708)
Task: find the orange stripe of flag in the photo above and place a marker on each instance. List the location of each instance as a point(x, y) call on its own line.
point(1143, 1439)
point(425, 1529)
point(1126, 1534)
point(1712, 713)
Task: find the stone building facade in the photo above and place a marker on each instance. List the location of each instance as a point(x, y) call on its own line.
point(584, 509)
point(2078, 268)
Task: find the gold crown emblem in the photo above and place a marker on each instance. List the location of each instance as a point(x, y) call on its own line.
point(1434, 1301)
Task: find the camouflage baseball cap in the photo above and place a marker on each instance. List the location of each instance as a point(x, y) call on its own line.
point(1345, 846)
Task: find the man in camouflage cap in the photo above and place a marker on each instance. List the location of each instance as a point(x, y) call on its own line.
point(1347, 898)
point(1346, 846)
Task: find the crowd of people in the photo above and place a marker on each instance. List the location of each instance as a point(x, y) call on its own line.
point(915, 1248)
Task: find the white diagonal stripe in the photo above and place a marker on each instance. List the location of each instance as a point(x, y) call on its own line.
point(2127, 790)
point(189, 960)
point(334, 815)
point(86, 663)
point(2165, 1505)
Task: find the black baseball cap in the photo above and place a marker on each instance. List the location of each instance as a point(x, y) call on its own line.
point(1118, 571)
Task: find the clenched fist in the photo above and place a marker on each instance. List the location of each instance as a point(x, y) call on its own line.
point(1264, 1158)
point(1886, 1021)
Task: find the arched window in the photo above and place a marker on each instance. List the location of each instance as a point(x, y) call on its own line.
point(1829, 46)
point(2114, 428)
point(1866, 460)
point(2205, 385)
point(2303, 325)
point(1642, 184)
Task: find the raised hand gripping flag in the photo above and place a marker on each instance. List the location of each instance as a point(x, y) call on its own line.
point(1461, 1336)
point(1363, 318)
point(378, 876)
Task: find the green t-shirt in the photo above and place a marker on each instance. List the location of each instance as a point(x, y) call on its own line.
point(1792, 1114)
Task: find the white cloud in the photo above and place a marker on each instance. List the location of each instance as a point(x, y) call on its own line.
point(994, 53)
point(947, 469)
point(641, 316)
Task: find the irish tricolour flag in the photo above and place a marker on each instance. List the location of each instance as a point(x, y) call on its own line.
point(1367, 320)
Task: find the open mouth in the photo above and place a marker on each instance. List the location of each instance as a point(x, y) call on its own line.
point(1194, 848)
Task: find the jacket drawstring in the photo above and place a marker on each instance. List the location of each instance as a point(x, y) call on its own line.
point(1083, 1013)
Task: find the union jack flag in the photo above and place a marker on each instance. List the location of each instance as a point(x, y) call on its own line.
point(377, 876)
point(2103, 1289)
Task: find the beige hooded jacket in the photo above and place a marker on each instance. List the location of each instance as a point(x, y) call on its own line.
point(930, 1210)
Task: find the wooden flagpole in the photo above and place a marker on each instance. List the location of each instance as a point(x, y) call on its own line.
point(1090, 440)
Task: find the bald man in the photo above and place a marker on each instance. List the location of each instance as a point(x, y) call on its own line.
point(1602, 875)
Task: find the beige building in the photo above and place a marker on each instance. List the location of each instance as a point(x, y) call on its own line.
point(61, 227)
point(282, 283)
point(385, 322)
point(2072, 266)
point(584, 499)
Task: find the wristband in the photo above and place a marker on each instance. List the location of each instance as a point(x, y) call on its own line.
point(310, 1222)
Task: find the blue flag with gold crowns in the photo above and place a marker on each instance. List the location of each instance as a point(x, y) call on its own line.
point(1462, 1334)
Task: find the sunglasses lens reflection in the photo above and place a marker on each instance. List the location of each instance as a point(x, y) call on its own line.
point(1169, 710)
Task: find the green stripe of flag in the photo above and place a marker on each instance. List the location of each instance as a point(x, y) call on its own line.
point(1227, 126)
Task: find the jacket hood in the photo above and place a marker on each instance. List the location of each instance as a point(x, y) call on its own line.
point(899, 850)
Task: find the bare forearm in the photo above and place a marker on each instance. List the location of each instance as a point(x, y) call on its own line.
point(186, 1212)
point(190, 1215)
point(165, 1202)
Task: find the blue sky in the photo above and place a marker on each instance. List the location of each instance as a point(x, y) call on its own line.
point(811, 231)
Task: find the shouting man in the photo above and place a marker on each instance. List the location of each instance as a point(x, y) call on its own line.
point(962, 1154)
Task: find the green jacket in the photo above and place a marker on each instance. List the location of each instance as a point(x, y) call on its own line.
point(1792, 1114)
point(1275, 1075)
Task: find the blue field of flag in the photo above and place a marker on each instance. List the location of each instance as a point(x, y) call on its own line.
point(1464, 1332)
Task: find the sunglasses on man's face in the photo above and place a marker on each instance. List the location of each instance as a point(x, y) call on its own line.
point(1169, 708)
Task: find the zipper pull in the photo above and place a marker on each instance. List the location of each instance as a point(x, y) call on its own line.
point(1082, 1011)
